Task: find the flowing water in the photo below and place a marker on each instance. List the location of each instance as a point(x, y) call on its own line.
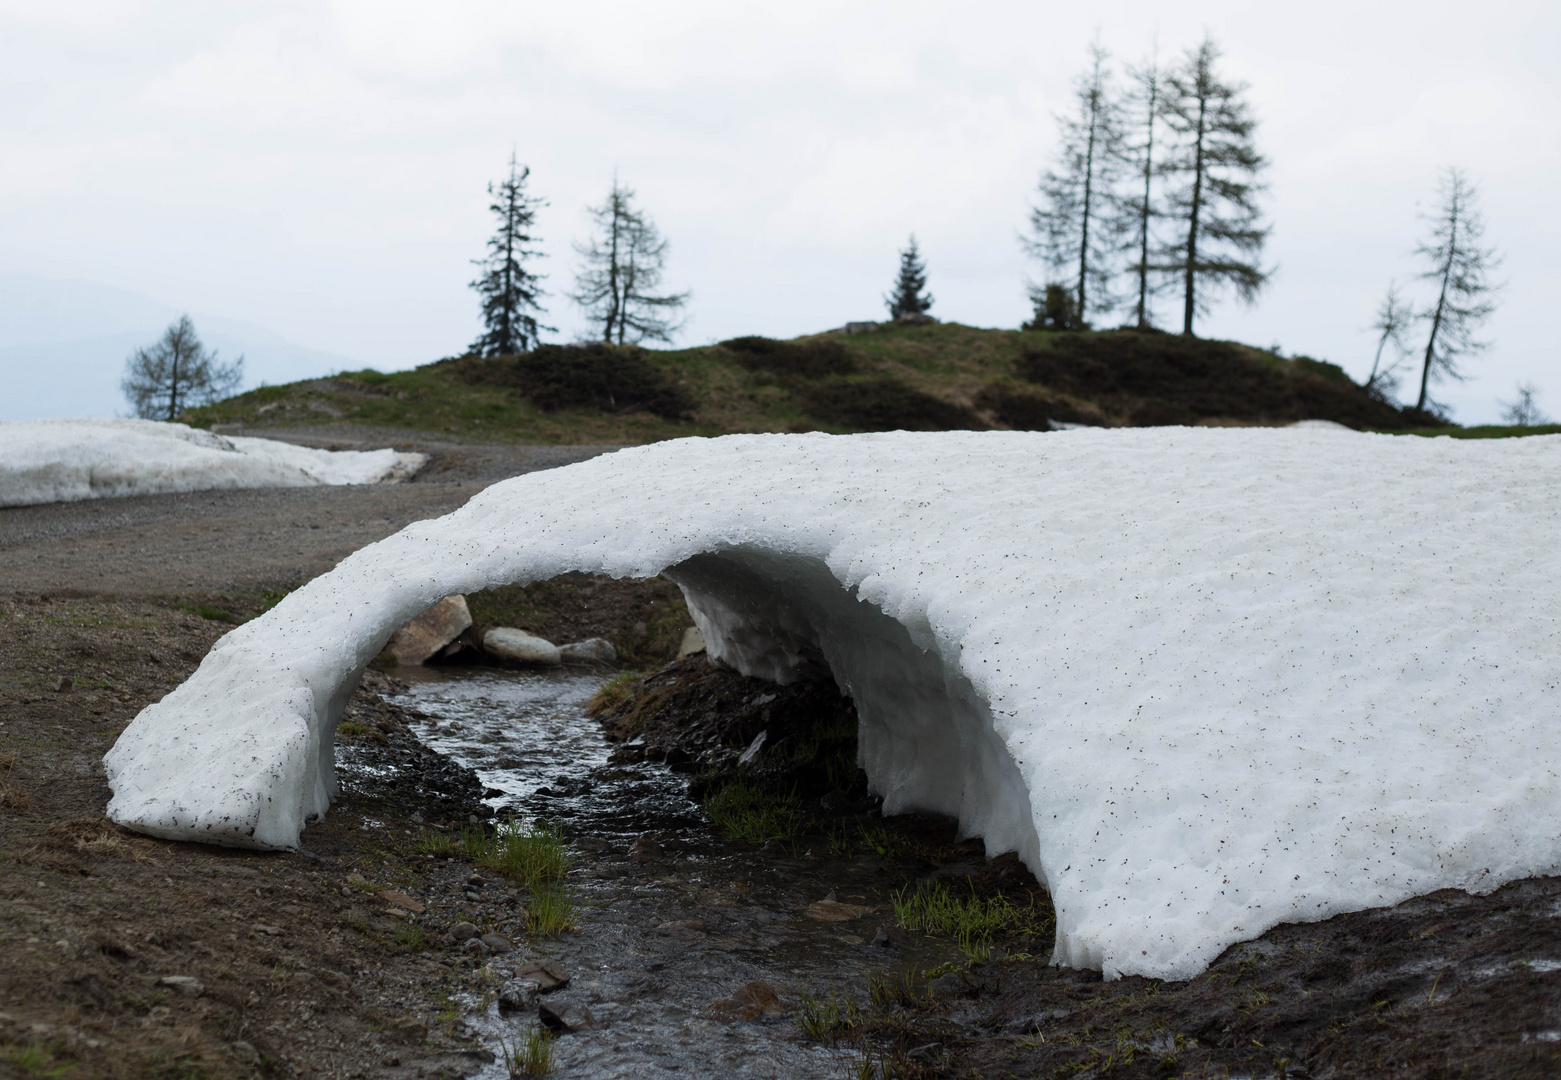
point(678, 924)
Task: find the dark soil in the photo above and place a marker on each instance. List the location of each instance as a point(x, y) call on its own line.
point(297, 979)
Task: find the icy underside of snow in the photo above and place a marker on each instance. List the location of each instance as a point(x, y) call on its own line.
point(44, 461)
point(1203, 681)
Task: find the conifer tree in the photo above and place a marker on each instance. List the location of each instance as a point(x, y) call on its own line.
point(1220, 232)
point(621, 271)
point(909, 297)
point(1072, 228)
point(164, 379)
point(510, 293)
point(1394, 316)
point(1141, 119)
point(1458, 267)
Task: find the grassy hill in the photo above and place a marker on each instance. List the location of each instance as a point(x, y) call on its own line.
point(929, 378)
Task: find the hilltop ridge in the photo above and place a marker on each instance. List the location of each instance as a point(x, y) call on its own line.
point(932, 377)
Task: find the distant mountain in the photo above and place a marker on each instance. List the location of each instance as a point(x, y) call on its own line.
point(63, 346)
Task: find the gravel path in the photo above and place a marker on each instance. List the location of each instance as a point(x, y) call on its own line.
point(219, 541)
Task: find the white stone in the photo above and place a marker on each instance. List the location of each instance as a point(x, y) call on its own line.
point(425, 634)
point(693, 642)
point(590, 651)
point(519, 647)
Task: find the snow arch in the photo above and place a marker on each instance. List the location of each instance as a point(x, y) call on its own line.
point(1203, 681)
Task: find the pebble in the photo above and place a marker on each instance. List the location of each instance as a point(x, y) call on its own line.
point(749, 1002)
point(519, 994)
point(410, 1027)
point(185, 984)
point(549, 974)
point(497, 943)
point(463, 931)
point(562, 1014)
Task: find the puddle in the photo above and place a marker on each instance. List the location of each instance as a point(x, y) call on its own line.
point(658, 940)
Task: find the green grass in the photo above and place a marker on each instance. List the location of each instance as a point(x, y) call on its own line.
point(211, 613)
point(754, 815)
point(413, 937)
point(552, 911)
point(614, 692)
point(972, 921)
point(34, 1060)
point(891, 845)
point(828, 1020)
point(531, 1054)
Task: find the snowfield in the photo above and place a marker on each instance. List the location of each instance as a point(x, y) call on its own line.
point(1202, 681)
point(44, 461)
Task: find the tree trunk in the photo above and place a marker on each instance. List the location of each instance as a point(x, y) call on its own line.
point(1441, 303)
point(1089, 181)
point(1190, 304)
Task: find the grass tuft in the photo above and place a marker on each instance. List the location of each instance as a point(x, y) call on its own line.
point(753, 815)
point(551, 911)
point(531, 1054)
point(970, 920)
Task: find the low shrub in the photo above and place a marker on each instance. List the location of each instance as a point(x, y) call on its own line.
point(605, 378)
point(883, 403)
point(1026, 410)
point(813, 359)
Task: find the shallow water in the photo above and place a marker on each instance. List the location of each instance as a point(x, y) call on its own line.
point(658, 939)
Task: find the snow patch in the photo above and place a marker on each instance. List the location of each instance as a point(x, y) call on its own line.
point(1202, 681)
point(44, 461)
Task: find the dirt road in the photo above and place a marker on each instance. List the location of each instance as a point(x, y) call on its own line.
point(230, 541)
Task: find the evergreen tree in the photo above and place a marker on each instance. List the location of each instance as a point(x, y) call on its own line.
point(163, 380)
point(1072, 228)
point(1055, 309)
point(510, 293)
point(622, 268)
point(910, 297)
point(1458, 266)
point(1142, 109)
point(1393, 318)
point(1215, 206)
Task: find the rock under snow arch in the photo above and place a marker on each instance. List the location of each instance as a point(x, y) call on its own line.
point(1203, 681)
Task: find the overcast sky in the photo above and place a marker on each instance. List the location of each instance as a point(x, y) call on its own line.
point(319, 169)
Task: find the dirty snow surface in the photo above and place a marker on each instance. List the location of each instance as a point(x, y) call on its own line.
point(43, 461)
point(1203, 681)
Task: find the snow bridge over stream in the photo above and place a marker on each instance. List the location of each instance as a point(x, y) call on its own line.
point(1202, 681)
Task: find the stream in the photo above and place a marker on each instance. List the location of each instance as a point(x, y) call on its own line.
point(687, 918)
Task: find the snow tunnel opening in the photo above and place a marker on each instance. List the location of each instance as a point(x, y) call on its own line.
point(925, 736)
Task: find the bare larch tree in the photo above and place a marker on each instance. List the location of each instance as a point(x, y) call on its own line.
point(1215, 205)
point(621, 271)
point(164, 379)
point(909, 297)
point(1394, 317)
point(510, 293)
point(1071, 229)
point(1141, 110)
point(1458, 266)
point(1524, 409)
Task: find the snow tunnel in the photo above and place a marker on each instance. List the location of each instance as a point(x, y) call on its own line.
point(1202, 681)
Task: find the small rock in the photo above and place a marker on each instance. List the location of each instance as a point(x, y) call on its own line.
point(477, 948)
point(562, 1014)
point(402, 901)
point(409, 1028)
point(496, 943)
point(753, 748)
point(749, 1002)
point(427, 634)
point(590, 651)
point(477, 880)
point(245, 1053)
point(693, 642)
point(519, 994)
point(835, 802)
point(463, 931)
point(645, 849)
point(549, 974)
point(269, 931)
point(520, 647)
point(831, 910)
point(887, 938)
point(63, 683)
point(946, 985)
point(358, 880)
point(185, 984)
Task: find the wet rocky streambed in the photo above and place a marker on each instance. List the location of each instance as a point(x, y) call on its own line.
point(672, 918)
point(695, 953)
